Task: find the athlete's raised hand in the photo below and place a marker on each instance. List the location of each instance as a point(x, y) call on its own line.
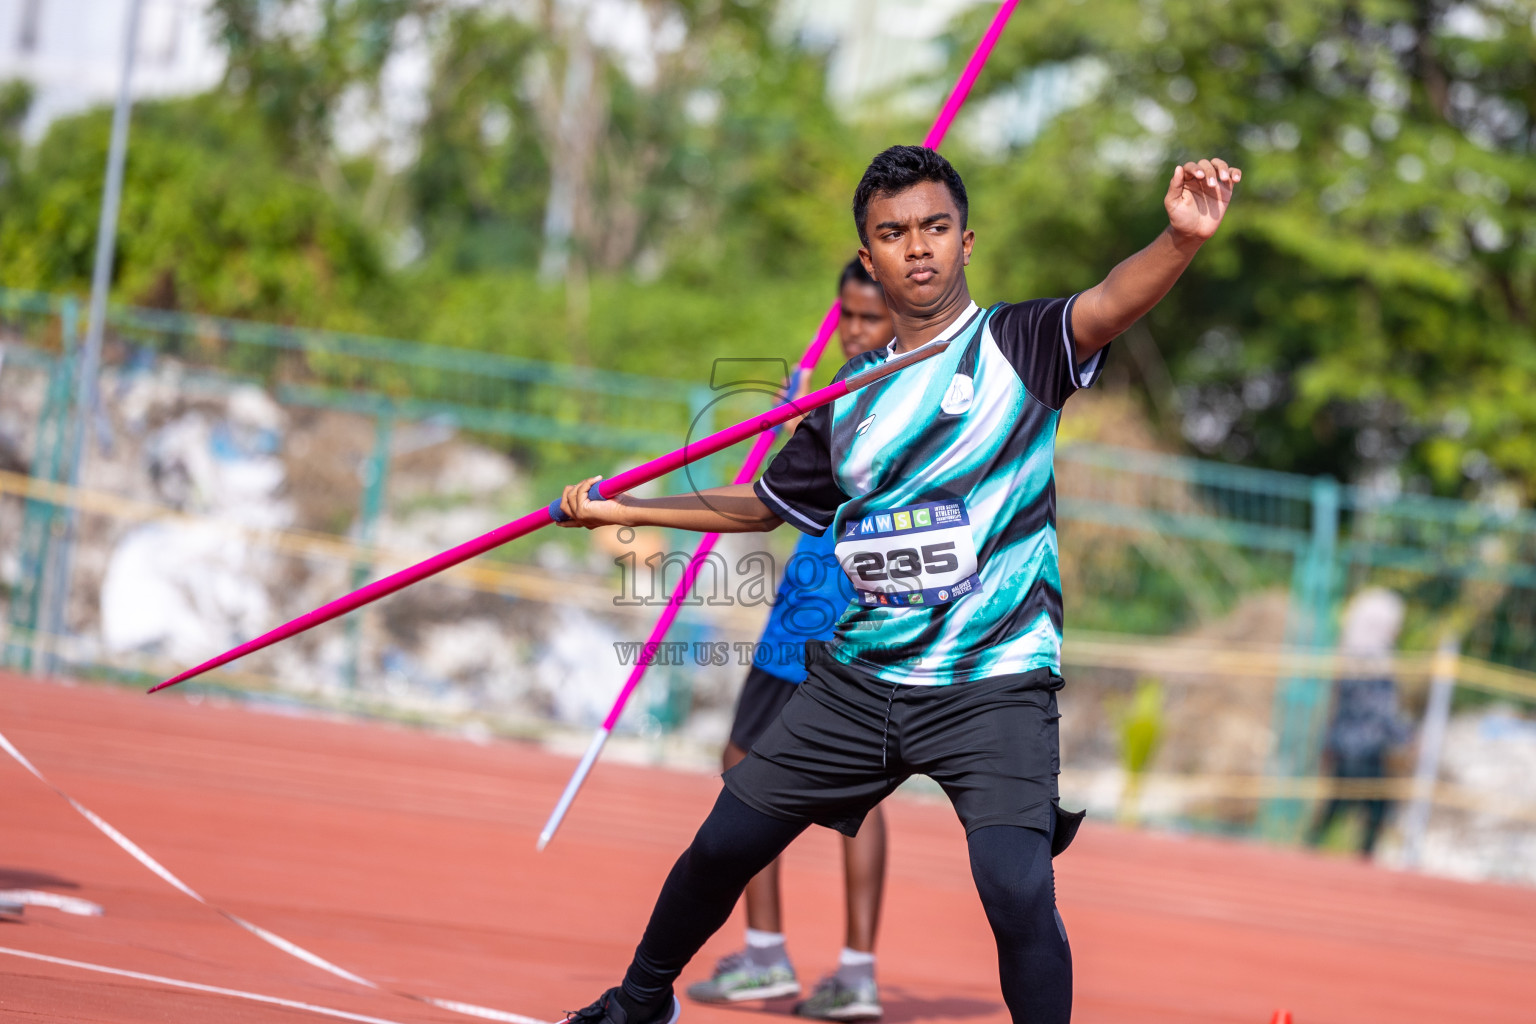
point(1198, 196)
point(1197, 200)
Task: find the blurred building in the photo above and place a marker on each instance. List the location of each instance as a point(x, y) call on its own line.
point(71, 52)
point(875, 44)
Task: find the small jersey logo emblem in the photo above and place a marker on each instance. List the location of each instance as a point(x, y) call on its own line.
point(864, 425)
point(959, 396)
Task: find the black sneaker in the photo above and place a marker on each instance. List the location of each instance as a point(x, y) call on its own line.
point(608, 1010)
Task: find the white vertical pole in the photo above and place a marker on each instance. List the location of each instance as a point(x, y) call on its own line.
point(101, 282)
point(1437, 716)
point(106, 229)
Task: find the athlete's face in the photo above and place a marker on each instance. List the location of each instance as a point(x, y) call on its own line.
point(864, 321)
point(917, 248)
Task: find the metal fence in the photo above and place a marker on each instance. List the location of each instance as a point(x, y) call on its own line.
point(1158, 545)
point(1464, 569)
point(542, 416)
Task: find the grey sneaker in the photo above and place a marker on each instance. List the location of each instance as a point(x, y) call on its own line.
point(737, 978)
point(835, 999)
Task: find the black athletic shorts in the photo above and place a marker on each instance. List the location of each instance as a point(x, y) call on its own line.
point(847, 739)
point(763, 696)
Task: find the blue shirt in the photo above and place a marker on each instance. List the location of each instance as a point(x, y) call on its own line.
point(812, 596)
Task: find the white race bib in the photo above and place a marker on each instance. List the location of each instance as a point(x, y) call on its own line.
point(911, 556)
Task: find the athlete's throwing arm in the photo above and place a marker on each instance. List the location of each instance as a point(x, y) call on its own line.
point(1196, 201)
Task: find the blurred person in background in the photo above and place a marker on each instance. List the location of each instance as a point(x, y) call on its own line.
point(1367, 722)
point(810, 599)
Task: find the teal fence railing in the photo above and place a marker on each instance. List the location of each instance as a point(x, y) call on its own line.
point(1467, 570)
point(550, 416)
point(1205, 534)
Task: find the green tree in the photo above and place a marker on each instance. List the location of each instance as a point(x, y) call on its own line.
point(710, 188)
point(301, 69)
point(476, 191)
point(212, 220)
point(714, 198)
point(1369, 309)
point(705, 127)
point(15, 101)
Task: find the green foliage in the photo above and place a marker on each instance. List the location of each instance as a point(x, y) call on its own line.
point(780, 169)
point(478, 187)
point(1140, 726)
point(669, 329)
point(724, 158)
point(1100, 573)
point(1369, 304)
point(15, 100)
point(210, 220)
point(1367, 309)
point(292, 63)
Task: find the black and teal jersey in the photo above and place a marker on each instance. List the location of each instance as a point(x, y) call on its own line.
point(938, 484)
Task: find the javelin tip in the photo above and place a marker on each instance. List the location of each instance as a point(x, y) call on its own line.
point(171, 681)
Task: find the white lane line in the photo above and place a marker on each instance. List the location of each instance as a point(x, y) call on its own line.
point(38, 898)
point(471, 1010)
point(196, 987)
point(291, 948)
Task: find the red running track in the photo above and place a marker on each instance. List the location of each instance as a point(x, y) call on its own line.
point(408, 857)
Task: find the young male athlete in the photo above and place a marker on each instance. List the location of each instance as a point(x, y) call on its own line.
point(810, 600)
point(937, 482)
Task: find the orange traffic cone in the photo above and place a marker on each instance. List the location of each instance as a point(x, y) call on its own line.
point(1281, 1017)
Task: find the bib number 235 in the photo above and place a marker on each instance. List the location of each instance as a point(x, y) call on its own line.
point(904, 563)
point(916, 555)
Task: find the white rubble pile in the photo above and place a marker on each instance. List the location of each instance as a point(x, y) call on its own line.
point(155, 590)
point(189, 590)
point(1492, 753)
point(24, 391)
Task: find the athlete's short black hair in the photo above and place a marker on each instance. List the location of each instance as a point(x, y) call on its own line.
point(856, 273)
point(898, 169)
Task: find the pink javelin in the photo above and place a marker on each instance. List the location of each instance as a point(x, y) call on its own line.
point(629, 479)
point(758, 454)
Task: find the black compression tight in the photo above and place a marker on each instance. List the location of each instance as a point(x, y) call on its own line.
point(733, 845)
point(1011, 866)
point(1012, 869)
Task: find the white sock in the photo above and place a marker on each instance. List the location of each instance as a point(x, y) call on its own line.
point(766, 949)
point(854, 967)
point(763, 940)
